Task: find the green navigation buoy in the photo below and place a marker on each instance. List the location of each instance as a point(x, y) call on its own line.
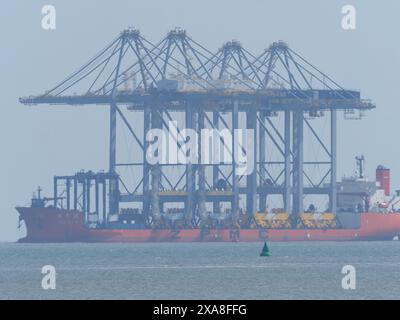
point(265, 251)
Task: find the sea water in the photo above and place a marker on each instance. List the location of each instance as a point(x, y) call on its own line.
point(296, 270)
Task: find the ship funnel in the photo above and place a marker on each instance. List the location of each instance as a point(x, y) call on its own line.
point(383, 177)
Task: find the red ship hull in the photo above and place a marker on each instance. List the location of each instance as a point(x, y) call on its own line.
point(56, 225)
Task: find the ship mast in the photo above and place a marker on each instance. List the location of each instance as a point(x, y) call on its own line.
point(360, 166)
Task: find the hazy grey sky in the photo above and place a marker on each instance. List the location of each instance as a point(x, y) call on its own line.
point(39, 142)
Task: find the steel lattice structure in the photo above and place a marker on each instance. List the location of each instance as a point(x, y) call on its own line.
point(212, 90)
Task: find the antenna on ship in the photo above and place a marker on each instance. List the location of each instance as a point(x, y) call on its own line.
point(360, 166)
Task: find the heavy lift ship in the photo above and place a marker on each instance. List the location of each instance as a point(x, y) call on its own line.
point(180, 76)
point(366, 211)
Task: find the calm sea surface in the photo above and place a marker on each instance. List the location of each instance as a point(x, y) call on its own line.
point(306, 270)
